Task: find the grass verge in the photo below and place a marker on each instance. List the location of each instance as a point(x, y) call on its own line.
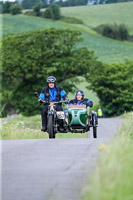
point(29, 128)
point(22, 128)
point(113, 177)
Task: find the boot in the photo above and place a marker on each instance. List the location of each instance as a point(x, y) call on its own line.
point(44, 128)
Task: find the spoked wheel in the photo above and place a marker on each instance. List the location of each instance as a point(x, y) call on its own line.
point(94, 122)
point(50, 127)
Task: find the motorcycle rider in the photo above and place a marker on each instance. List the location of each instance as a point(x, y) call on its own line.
point(80, 100)
point(100, 113)
point(54, 93)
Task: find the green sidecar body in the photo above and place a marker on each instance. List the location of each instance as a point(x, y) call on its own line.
point(80, 119)
point(77, 115)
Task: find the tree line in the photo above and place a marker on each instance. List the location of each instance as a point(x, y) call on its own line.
point(29, 4)
point(11, 7)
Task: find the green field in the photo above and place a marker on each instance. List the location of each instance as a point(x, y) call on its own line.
point(24, 23)
point(113, 177)
point(106, 49)
point(95, 15)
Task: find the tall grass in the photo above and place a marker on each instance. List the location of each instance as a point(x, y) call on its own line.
point(113, 177)
point(29, 128)
point(22, 128)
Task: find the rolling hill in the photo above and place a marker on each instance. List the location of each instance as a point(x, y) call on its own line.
point(106, 49)
point(95, 15)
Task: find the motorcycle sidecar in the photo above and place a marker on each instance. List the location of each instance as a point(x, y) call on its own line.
point(80, 121)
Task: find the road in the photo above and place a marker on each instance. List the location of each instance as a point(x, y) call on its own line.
point(56, 169)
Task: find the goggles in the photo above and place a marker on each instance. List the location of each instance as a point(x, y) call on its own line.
point(79, 93)
point(51, 81)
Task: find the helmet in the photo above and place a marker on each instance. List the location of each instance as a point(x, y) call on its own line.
point(79, 92)
point(51, 79)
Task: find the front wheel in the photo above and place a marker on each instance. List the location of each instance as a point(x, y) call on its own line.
point(50, 127)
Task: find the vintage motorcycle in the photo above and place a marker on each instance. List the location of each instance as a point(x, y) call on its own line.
point(79, 119)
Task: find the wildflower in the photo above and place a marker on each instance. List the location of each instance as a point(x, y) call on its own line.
point(103, 146)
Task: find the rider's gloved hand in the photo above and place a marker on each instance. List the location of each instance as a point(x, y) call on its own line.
point(40, 100)
point(66, 101)
point(90, 104)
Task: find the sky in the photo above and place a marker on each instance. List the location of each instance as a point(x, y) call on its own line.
point(8, 0)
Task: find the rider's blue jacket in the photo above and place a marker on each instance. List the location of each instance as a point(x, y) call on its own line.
point(84, 101)
point(54, 94)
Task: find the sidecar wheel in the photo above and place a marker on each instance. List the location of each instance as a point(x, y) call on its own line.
point(94, 132)
point(50, 127)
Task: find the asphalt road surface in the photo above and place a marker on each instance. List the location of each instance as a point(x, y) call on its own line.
point(56, 169)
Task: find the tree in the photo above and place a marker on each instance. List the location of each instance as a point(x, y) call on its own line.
point(51, 1)
point(53, 12)
point(45, 3)
point(48, 14)
point(29, 58)
point(37, 9)
point(60, 3)
point(123, 32)
point(113, 84)
point(1, 5)
point(73, 2)
point(6, 7)
point(16, 9)
point(28, 4)
point(56, 11)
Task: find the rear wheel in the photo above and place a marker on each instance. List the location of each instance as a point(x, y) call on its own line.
point(50, 127)
point(94, 123)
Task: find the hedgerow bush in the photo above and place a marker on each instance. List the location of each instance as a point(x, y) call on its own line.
point(72, 20)
point(114, 31)
point(30, 13)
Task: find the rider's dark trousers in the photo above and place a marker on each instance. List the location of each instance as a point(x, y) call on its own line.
point(45, 112)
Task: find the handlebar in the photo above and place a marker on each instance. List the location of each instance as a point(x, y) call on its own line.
point(50, 101)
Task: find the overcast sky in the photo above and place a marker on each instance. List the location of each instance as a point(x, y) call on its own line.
point(8, 0)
